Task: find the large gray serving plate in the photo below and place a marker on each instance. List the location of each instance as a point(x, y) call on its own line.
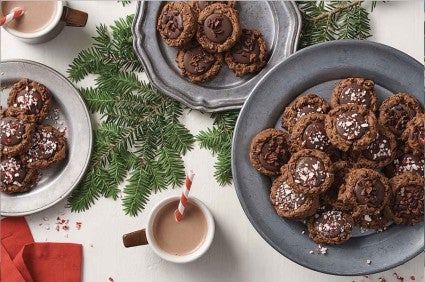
point(68, 112)
point(318, 69)
point(279, 21)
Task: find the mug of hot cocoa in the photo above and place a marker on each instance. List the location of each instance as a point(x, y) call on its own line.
point(41, 20)
point(176, 241)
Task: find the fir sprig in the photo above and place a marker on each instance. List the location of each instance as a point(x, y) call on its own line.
point(139, 137)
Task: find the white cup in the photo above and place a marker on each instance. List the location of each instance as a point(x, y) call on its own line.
point(64, 16)
point(146, 236)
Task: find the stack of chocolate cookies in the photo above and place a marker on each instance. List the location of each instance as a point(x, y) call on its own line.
point(205, 32)
point(345, 163)
point(26, 145)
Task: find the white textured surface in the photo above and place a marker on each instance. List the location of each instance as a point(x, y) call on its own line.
point(238, 252)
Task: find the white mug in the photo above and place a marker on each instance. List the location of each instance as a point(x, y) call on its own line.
point(146, 236)
point(64, 16)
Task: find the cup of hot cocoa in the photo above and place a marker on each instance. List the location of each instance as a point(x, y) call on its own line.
point(42, 20)
point(176, 241)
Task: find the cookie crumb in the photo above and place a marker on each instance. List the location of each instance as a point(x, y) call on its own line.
point(382, 279)
point(368, 261)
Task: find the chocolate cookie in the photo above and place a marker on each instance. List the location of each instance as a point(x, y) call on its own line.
point(198, 6)
point(406, 162)
point(289, 203)
point(48, 147)
point(351, 127)
point(309, 133)
point(198, 65)
point(31, 98)
point(219, 28)
point(269, 151)
point(374, 221)
point(249, 54)
point(397, 110)
point(15, 177)
point(357, 91)
point(381, 152)
point(176, 24)
point(414, 134)
point(330, 227)
point(311, 172)
point(366, 191)
point(16, 133)
point(301, 106)
point(407, 205)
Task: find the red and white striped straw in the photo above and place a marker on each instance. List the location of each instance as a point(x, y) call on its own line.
point(15, 13)
point(183, 198)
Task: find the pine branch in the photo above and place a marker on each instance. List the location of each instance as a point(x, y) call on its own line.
point(140, 135)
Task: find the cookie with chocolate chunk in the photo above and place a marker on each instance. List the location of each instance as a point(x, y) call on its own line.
point(309, 133)
point(176, 24)
point(199, 65)
point(365, 191)
point(414, 134)
point(269, 151)
point(330, 227)
point(405, 162)
point(249, 54)
point(15, 133)
point(301, 106)
point(351, 127)
point(359, 91)
point(310, 172)
point(219, 28)
point(397, 110)
point(31, 98)
point(15, 176)
point(381, 152)
point(198, 6)
point(48, 147)
point(289, 203)
point(375, 221)
point(407, 204)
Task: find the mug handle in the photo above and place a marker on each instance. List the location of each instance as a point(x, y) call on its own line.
point(135, 238)
point(74, 17)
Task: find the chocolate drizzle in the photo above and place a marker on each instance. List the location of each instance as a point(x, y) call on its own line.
point(351, 125)
point(247, 50)
point(12, 131)
point(198, 61)
point(171, 23)
point(218, 28)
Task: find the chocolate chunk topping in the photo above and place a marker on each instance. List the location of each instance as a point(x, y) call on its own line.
point(314, 137)
point(409, 163)
point(218, 28)
point(12, 172)
point(355, 94)
point(288, 200)
point(351, 125)
point(398, 117)
point(369, 191)
point(330, 223)
point(44, 146)
point(379, 149)
point(309, 172)
point(172, 23)
point(198, 61)
point(308, 109)
point(273, 153)
point(12, 131)
point(29, 100)
point(409, 201)
point(247, 50)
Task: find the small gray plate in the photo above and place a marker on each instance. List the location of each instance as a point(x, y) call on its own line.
point(317, 69)
point(69, 113)
point(279, 21)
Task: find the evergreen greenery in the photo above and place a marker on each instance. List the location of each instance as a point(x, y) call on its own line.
point(140, 136)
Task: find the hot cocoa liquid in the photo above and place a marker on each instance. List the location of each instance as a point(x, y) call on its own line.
point(38, 14)
point(180, 238)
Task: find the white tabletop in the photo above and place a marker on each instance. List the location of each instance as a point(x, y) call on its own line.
point(238, 252)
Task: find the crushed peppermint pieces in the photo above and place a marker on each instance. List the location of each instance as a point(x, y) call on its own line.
point(367, 218)
point(351, 125)
point(330, 223)
point(309, 172)
point(287, 199)
point(320, 250)
point(12, 130)
point(45, 145)
point(12, 172)
point(78, 225)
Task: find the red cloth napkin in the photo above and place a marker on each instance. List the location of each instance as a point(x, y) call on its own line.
point(22, 260)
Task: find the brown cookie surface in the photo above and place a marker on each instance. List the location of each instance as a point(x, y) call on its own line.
point(414, 134)
point(405, 162)
point(269, 151)
point(359, 91)
point(198, 6)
